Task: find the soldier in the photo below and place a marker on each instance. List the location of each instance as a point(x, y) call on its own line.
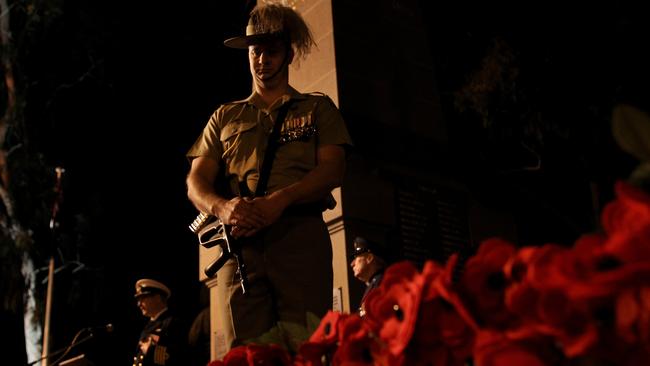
point(275, 214)
point(163, 341)
point(368, 264)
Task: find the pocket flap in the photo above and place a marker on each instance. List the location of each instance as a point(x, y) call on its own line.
point(235, 128)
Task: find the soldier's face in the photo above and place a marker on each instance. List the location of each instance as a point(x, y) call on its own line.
point(361, 266)
point(150, 305)
point(269, 61)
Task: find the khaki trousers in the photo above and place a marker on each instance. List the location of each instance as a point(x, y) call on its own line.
point(290, 286)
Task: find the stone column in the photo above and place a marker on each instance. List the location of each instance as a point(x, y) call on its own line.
point(317, 73)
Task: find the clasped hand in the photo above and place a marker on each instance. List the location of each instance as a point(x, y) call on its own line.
point(247, 216)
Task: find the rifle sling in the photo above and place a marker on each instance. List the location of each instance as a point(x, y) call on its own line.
point(271, 147)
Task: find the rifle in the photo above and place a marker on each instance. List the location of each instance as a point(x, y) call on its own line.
point(212, 231)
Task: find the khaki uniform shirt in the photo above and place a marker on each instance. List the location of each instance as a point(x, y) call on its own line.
point(237, 134)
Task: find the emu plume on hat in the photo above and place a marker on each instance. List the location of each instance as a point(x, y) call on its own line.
point(271, 22)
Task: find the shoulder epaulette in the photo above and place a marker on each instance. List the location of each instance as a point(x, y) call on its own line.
point(237, 102)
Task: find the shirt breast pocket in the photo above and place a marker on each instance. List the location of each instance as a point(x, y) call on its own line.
point(238, 138)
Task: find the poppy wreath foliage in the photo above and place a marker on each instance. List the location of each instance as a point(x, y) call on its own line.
point(255, 354)
point(580, 305)
point(587, 304)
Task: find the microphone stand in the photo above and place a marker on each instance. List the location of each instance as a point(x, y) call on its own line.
point(48, 311)
point(50, 276)
point(65, 350)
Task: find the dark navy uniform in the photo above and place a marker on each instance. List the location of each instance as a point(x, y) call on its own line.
point(166, 340)
point(374, 282)
point(163, 340)
point(362, 246)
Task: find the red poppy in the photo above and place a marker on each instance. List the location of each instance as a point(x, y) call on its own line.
point(520, 295)
point(583, 272)
point(328, 329)
point(633, 316)
point(267, 354)
point(520, 301)
point(382, 356)
point(622, 261)
point(495, 349)
point(483, 282)
point(444, 331)
point(572, 324)
point(392, 308)
point(626, 221)
point(604, 264)
point(313, 354)
point(356, 344)
point(538, 305)
point(571, 270)
point(443, 285)
point(606, 283)
point(237, 356)
point(442, 336)
point(629, 211)
point(324, 340)
point(543, 298)
point(256, 354)
point(551, 266)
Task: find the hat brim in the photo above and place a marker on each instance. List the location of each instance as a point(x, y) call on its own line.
point(151, 291)
point(242, 42)
point(360, 251)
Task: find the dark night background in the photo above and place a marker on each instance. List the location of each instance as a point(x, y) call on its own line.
point(118, 90)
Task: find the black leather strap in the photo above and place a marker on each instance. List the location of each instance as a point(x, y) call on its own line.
point(271, 147)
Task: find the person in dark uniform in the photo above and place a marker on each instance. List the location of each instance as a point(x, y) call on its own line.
point(368, 264)
point(285, 242)
point(163, 341)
